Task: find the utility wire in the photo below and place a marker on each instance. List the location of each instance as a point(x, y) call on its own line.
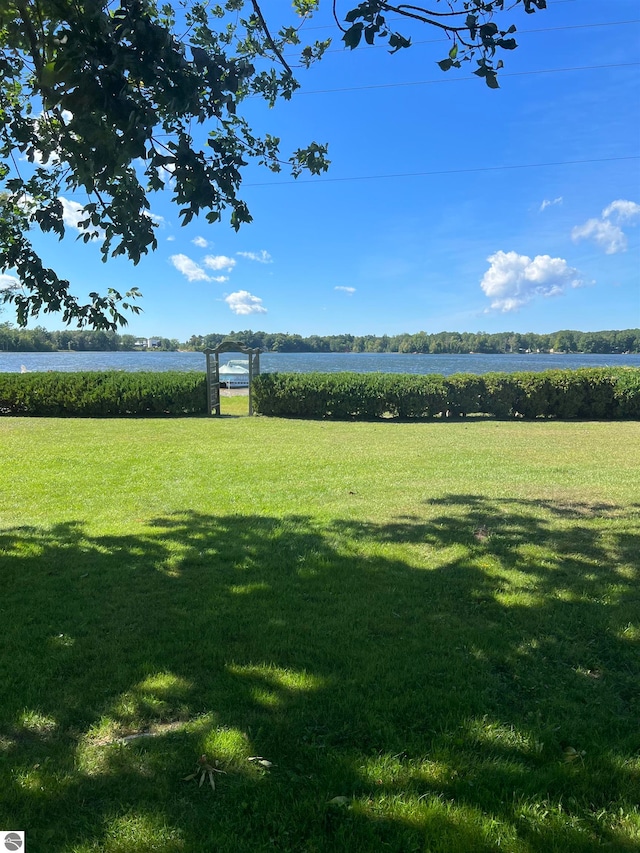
point(518, 32)
point(401, 18)
point(444, 172)
point(453, 79)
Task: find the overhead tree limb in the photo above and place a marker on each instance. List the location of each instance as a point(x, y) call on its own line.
point(272, 43)
point(31, 35)
point(121, 72)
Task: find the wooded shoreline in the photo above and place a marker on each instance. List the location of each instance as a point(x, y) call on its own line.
point(613, 342)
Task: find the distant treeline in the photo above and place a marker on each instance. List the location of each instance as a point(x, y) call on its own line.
point(444, 342)
point(14, 339)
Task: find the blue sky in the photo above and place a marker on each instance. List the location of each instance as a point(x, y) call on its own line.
point(448, 206)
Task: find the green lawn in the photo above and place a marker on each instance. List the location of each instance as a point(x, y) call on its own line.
point(428, 634)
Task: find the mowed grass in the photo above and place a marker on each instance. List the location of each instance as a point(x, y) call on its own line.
point(383, 637)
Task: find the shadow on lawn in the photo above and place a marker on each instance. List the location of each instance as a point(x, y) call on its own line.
point(468, 676)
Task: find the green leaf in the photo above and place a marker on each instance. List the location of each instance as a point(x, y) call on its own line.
point(488, 31)
point(353, 35)
point(48, 75)
point(445, 64)
point(491, 79)
point(305, 7)
point(472, 25)
point(396, 41)
point(454, 51)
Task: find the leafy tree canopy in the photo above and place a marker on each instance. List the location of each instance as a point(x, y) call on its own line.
point(101, 98)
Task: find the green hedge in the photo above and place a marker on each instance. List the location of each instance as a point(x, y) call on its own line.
point(596, 393)
point(102, 394)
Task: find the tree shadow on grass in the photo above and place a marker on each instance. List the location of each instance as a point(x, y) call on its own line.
point(462, 680)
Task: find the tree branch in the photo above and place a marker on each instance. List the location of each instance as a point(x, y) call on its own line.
point(274, 47)
point(401, 10)
point(31, 35)
point(423, 11)
point(336, 18)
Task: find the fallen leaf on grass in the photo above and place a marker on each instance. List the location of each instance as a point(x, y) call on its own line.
point(157, 730)
point(263, 762)
point(203, 770)
point(571, 754)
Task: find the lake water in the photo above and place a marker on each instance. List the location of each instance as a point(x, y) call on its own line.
point(13, 362)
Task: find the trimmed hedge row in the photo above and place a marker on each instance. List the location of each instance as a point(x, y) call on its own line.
point(102, 394)
point(591, 393)
point(600, 393)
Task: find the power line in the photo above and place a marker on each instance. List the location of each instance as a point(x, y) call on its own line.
point(400, 18)
point(453, 79)
point(444, 172)
point(518, 32)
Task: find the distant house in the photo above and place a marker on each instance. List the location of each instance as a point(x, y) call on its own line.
point(147, 343)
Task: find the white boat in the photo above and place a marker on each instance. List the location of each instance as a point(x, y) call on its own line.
point(235, 373)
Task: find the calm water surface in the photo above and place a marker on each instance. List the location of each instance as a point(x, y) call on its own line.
point(13, 362)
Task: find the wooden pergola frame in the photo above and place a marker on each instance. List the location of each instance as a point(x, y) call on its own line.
point(213, 371)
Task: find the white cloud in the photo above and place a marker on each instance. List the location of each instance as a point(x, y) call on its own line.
point(604, 233)
point(262, 257)
point(348, 290)
point(73, 214)
point(53, 157)
point(170, 238)
point(157, 220)
point(38, 158)
point(200, 242)
point(165, 173)
point(220, 278)
point(243, 302)
point(8, 282)
point(42, 125)
point(548, 203)
point(219, 262)
point(622, 209)
point(189, 269)
point(512, 280)
point(27, 203)
point(607, 233)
